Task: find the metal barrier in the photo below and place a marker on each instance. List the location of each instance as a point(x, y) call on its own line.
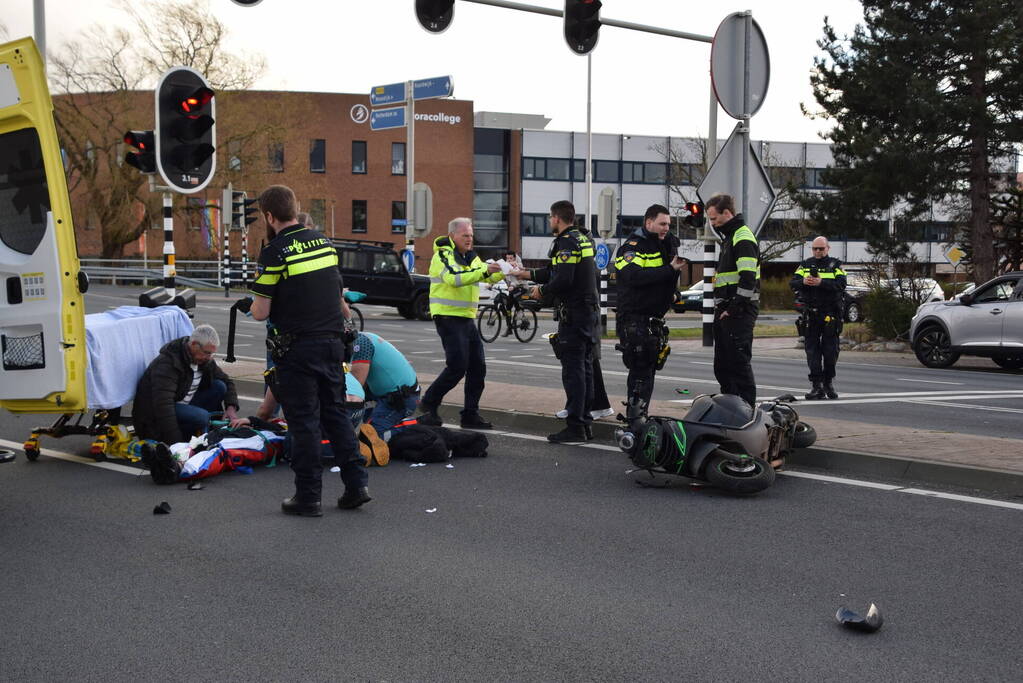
point(195, 274)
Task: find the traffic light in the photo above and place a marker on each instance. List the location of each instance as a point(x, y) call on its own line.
point(185, 130)
point(696, 217)
point(242, 211)
point(145, 158)
point(435, 15)
point(582, 24)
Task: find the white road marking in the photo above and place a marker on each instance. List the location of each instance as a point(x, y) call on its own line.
point(914, 398)
point(134, 471)
point(528, 355)
point(422, 351)
point(700, 362)
point(994, 409)
point(928, 381)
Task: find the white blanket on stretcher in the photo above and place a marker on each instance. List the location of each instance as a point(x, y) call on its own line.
point(121, 343)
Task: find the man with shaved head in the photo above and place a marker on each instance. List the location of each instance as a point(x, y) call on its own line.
point(819, 283)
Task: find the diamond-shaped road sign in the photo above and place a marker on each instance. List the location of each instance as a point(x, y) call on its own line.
point(725, 177)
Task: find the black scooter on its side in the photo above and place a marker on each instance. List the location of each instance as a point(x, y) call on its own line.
point(721, 440)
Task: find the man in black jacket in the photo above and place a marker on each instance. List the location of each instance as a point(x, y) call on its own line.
point(570, 284)
point(181, 387)
point(819, 282)
point(648, 267)
point(736, 299)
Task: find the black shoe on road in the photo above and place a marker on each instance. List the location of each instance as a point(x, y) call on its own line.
point(430, 419)
point(475, 422)
point(293, 506)
point(816, 393)
point(568, 435)
point(829, 391)
point(353, 498)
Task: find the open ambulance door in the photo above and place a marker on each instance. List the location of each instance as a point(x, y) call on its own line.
point(42, 316)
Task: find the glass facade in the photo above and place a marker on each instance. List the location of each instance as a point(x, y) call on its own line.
point(491, 152)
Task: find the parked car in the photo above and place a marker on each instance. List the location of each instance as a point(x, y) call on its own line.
point(689, 300)
point(987, 322)
point(376, 269)
point(920, 289)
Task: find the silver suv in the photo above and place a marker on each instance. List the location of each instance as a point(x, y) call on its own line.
point(987, 321)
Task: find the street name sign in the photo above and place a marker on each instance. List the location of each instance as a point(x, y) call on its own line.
point(382, 119)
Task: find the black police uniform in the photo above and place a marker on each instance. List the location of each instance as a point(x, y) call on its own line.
point(646, 287)
point(823, 308)
point(737, 291)
point(570, 284)
point(298, 271)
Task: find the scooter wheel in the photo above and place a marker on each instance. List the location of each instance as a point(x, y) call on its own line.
point(805, 436)
point(749, 476)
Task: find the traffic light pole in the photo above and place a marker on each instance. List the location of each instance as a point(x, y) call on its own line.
point(168, 243)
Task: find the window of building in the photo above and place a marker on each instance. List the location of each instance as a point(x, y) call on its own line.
point(579, 170)
point(606, 171)
point(558, 169)
point(397, 158)
point(534, 225)
point(358, 156)
point(360, 215)
point(318, 156)
point(785, 176)
point(398, 218)
point(318, 213)
point(534, 169)
point(645, 172)
point(275, 157)
point(815, 178)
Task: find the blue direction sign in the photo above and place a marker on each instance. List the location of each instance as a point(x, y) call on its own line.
point(380, 95)
point(382, 119)
point(409, 257)
point(602, 257)
point(428, 88)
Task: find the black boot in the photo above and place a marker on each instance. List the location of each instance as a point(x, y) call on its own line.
point(816, 393)
point(569, 435)
point(430, 418)
point(829, 390)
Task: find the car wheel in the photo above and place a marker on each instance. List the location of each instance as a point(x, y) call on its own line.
point(421, 306)
point(1009, 362)
point(406, 311)
point(852, 314)
point(933, 348)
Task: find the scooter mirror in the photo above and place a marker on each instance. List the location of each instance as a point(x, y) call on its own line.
point(850, 619)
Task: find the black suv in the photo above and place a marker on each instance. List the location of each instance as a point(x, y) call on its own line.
point(375, 269)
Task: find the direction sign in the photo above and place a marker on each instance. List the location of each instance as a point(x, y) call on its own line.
point(409, 257)
point(602, 256)
point(428, 88)
point(380, 95)
point(725, 177)
point(954, 255)
point(424, 89)
point(382, 119)
point(727, 65)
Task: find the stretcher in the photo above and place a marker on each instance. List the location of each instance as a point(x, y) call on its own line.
point(120, 344)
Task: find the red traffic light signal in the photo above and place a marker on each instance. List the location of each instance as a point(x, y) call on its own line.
point(145, 158)
point(435, 15)
point(582, 24)
point(186, 130)
point(696, 217)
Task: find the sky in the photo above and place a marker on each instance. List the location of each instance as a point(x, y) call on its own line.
point(511, 61)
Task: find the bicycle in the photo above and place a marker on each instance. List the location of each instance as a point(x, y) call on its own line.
point(351, 298)
point(507, 309)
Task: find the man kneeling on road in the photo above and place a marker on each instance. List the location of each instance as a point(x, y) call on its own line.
point(389, 379)
point(181, 387)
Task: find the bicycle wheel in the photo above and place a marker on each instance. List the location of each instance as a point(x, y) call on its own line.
point(357, 317)
point(524, 324)
point(489, 323)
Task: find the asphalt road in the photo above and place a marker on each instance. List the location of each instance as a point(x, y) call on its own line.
point(972, 397)
point(540, 562)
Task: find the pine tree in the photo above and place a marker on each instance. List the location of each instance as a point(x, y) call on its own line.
point(925, 94)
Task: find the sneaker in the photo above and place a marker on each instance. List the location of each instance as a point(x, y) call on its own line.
point(604, 412)
point(474, 421)
point(353, 499)
point(588, 430)
point(568, 435)
point(561, 414)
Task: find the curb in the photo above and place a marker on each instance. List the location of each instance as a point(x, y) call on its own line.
point(909, 470)
point(888, 467)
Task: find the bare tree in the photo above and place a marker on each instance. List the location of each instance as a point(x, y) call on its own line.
point(104, 81)
point(687, 166)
